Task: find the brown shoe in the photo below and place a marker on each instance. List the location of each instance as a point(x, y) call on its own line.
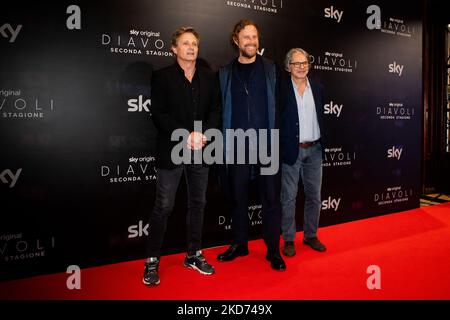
point(315, 244)
point(289, 248)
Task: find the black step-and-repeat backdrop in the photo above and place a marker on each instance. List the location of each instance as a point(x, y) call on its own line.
point(77, 141)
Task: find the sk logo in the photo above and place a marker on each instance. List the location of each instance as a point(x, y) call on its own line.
point(8, 173)
point(8, 32)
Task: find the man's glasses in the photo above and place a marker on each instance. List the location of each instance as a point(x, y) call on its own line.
point(299, 64)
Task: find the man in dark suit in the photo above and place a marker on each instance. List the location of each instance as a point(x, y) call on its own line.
point(181, 94)
point(248, 86)
point(302, 149)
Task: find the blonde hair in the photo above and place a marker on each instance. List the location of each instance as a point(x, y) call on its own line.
point(182, 30)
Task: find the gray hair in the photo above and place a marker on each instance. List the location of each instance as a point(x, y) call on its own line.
point(288, 58)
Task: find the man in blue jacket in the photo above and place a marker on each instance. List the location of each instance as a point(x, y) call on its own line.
point(302, 150)
point(248, 99)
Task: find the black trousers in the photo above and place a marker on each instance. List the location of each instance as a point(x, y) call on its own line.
point(167, 181)
point(269, 187)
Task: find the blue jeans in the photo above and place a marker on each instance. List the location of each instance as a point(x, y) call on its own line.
point(166, 188)
point(308, 168)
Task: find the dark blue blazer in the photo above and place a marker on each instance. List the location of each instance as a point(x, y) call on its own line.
point(289, 130)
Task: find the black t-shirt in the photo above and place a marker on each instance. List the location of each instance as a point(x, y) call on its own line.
point(245, 70)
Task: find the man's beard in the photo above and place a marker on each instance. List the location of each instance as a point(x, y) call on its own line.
point(244, 54)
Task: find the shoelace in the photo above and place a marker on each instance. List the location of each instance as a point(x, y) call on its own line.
point(201, 258)
point(152, 266)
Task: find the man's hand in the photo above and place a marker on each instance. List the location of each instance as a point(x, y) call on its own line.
point(196, 140)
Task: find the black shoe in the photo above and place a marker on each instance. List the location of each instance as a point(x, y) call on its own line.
point(198, 262)
point(289, 248)
point(276, 262)
point(151, 277)
point(315, 244)
point(234, 251)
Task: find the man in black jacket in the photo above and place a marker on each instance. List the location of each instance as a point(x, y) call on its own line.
point(181, 94)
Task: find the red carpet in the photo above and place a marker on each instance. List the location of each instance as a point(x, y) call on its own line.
point(412, 249)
